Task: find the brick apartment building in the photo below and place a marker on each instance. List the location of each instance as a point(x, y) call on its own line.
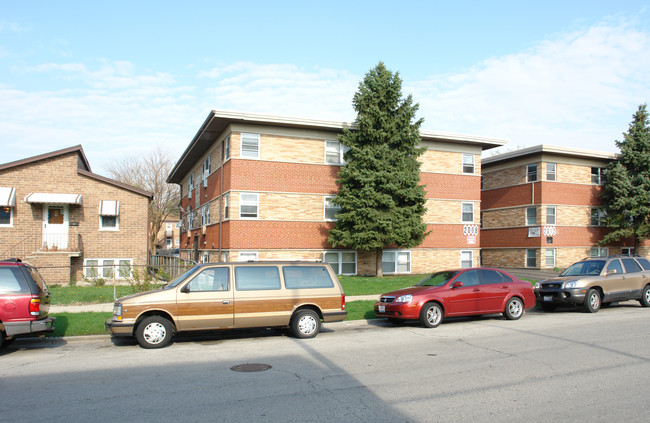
point(540, 208)
point(256, 187)
point(70, 222)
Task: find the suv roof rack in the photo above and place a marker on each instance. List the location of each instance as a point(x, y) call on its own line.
point(612, 256)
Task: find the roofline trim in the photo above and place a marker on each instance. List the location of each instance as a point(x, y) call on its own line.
point(553, 149)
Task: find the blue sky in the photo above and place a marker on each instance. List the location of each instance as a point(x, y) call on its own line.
point(122, 77)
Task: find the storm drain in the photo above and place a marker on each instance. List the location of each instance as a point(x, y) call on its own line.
point(250, 367)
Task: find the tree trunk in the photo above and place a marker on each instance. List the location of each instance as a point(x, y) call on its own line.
point(378, 272)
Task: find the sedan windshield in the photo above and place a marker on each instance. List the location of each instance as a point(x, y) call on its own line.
point(181, 278)
point(437, 279)
point(585, 268)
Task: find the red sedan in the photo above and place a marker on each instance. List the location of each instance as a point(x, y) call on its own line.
point(463, 292)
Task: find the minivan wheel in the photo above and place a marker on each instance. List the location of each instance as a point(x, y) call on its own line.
point(645, 297)
point(154, 332)
point(305, 324)
point(592, 301)
point(431, 315)
point(514, 308)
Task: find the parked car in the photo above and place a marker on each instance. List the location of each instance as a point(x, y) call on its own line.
point(24, 301)
point(461, 292)
point(594, 282)
point(213, 296)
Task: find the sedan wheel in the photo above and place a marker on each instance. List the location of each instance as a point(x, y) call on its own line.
point(645, 297)
point(592, 301)
point(514, 309)
point(431, 315)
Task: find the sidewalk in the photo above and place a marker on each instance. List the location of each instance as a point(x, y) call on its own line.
point(108, 307)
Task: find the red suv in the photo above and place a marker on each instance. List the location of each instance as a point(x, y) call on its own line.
point(24, 301)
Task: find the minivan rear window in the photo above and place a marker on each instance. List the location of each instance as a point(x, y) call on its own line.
point(306, 277)
point(12, 281)
point(251, 278)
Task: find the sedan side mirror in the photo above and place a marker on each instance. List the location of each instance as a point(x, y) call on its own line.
point(457, 284)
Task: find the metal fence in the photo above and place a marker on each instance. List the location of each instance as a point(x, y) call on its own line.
point(102, 284)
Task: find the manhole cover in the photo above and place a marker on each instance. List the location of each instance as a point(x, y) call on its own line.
point(250, 367)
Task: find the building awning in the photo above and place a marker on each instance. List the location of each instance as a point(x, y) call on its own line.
point(109, 208)
point(7, 197)
point(47, 198)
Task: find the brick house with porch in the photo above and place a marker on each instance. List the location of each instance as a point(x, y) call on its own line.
point(70, 222)
point(259, 187)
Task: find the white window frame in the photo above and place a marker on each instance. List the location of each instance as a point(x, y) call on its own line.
point(528, 172)
point(205, 215)
point(462, 212)
point(534, 257)
point(549, 172)
point(226, 148)
point(335, 148)
point(226, 209)
point(551, 257)
point(396, 261)
point(190, 185)
point(205, 257)
point(327, 205)
point(469, 160)
point(528, 221)
point(599, 215)
point(599, 176)
point(251, 139)
point(169, 243)
point(630, 250)
point(554, 214)
point(11, 218)
point(339, 269)
point(471, 258)
point(249, 202)
point(600, 251)
point(102, 268)
point(253, 254)
point(116, 228)
point(207, 168)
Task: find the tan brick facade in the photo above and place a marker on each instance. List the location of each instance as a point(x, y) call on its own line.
point(65, 172)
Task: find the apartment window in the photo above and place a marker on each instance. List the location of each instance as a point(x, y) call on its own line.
point(205, 257)
point(468, 163)
point(466, 259)
point(396, 262)
point(190, 186)
point(531, 216)
point(226, 209)
point(597, 216)
point(550, 215)
point(334, 152)
point(628, 251)
point(550, 172)
point(550, 257)
point(531, 258)
point(6, 216)
point(248, 256)
point(250, 145)
point(205, 215)
point(343, 262)
point(190, 218)
point(248, 205)
point(168, 243)
point(468, 213)
point(331, 209)
point(206, 171)
point(109, 219)
point(599, 252)
point(226, 148)
point(531, 172)
point(598, 175)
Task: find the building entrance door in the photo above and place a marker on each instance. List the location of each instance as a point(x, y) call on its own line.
point(55, 226)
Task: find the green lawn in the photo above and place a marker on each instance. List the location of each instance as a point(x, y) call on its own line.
point(360, 285)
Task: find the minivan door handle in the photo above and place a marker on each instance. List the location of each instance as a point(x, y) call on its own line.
point(225, 302)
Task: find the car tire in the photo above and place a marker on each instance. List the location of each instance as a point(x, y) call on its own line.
point(431, 315)
point(548, 306)
point(592, 301)
point(154, 332)
point(305, 324)
point(645, 296)
point(514, 309)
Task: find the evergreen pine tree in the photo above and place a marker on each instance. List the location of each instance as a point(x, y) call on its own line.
point(626, 197)
point(381, 201)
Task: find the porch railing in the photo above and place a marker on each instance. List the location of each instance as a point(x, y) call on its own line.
point(37, 243)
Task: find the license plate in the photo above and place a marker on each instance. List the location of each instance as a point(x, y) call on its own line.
point(381, 309)
point(548, 298)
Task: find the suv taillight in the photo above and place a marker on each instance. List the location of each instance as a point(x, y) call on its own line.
point(35, 306)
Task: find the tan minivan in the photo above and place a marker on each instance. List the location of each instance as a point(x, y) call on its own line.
point(213, 296)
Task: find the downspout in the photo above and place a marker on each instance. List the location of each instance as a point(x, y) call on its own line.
point(221, 202)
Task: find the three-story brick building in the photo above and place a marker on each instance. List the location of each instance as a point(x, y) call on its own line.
point(258, 187)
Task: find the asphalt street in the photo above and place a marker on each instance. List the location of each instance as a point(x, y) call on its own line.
point(561, 366)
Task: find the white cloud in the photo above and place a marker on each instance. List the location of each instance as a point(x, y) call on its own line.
point(578, 89)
